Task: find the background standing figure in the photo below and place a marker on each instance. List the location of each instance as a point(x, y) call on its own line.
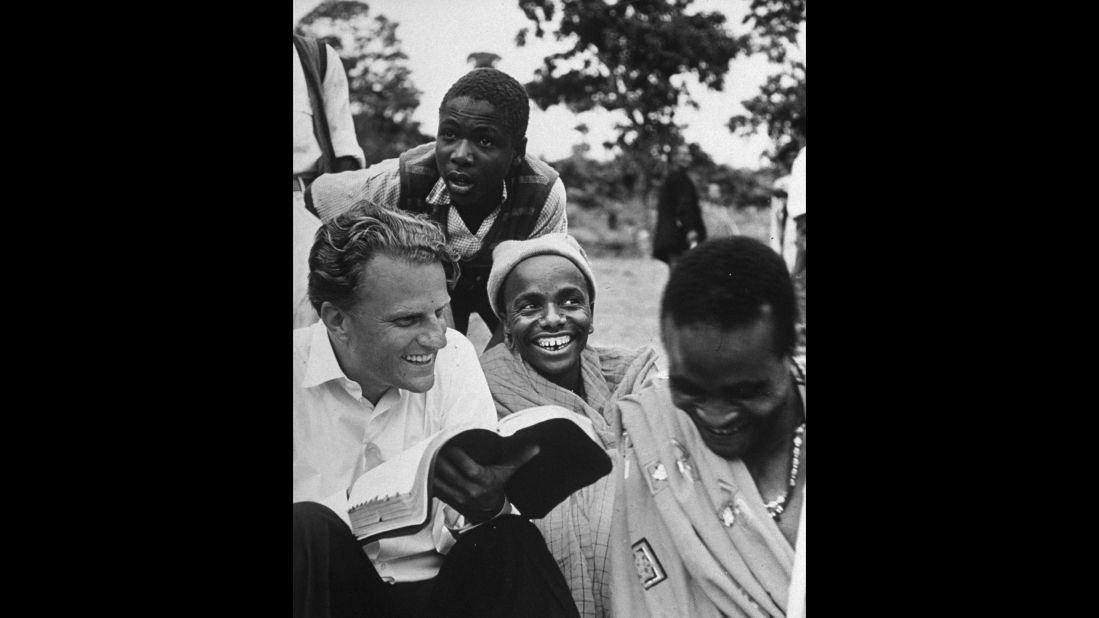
point(715, 214)
point(782, 233)
point(324, 141)
point(679, 225)
point(795, 208)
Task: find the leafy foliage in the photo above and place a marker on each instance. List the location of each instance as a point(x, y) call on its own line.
point(381, 91)
point(775, 26)
point(593, 184)
point(780, 104)
point(607, 216)
point(633, 57)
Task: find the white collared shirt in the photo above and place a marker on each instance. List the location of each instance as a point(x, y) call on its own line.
point(795, 204)
point(338, 435)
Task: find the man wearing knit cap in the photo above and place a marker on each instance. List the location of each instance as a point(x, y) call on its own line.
point(509, 253)
point(543, 289)
point(476, 181)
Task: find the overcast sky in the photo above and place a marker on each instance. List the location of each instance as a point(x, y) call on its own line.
point(438, 35)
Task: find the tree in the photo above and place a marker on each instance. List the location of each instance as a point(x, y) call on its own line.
point(382, 94)
point(632, 57)
point(780, 105)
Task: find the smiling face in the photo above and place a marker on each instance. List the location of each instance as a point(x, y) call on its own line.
point(389, 338)
point(474, 151)
point(549, 313)
point(731, 383)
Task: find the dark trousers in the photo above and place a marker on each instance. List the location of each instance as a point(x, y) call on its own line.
point(501, 568)
point(466, 301)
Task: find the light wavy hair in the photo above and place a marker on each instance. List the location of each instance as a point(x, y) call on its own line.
point(344, 246)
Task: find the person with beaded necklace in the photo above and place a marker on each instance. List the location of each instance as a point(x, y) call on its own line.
point(710, 508)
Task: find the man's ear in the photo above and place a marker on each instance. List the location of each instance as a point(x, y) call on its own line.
point(520, 152)
point(335, 320)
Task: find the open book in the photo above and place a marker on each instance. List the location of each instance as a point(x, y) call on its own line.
point(394, 498)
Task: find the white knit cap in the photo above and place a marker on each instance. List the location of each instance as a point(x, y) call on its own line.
point(509, 253)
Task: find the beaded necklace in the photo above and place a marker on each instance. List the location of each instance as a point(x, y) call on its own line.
point(778, 505)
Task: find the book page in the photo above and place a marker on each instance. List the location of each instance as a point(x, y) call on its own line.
point(394, 498)
point(395, 476)
point(532, 416)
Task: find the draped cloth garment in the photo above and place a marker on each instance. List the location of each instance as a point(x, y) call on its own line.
point(577, 530)
point(691, 535)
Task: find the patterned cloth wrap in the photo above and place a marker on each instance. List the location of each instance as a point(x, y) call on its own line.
point(691, 532)
point(577, 530)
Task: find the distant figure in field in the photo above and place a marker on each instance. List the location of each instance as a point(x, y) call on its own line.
point(679, 225)
point(795, 207)
point(715, 214)
point(788, 231)
point(783, 232)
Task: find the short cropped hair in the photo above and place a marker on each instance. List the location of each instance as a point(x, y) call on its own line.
point(726, 283)
point(501, 90)
point(343, 246)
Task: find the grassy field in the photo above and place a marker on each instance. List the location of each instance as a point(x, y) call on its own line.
point(627, 299)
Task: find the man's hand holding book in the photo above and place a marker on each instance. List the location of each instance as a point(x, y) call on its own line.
point(475, 491)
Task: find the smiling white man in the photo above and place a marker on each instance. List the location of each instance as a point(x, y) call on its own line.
point(377, 374)
point(710, 508)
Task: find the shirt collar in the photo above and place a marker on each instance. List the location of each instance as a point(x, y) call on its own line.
point(440, 195)
point(322, 365)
